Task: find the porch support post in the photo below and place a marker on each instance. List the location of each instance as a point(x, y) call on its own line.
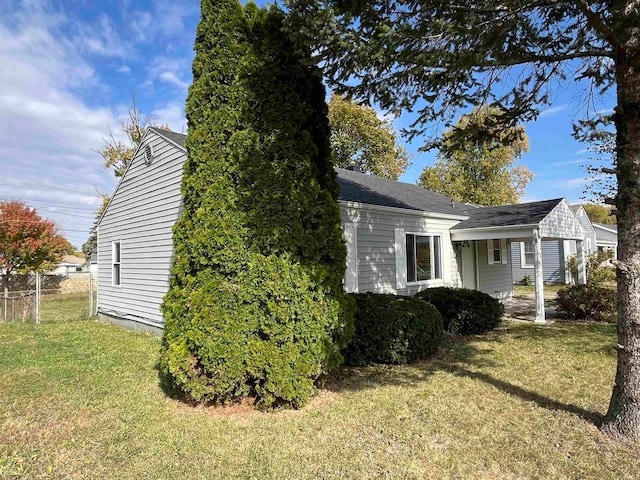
point(539, 279)
point(582, 266)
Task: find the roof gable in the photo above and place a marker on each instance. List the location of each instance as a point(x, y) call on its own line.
point(530, 213)
point(562, 222)
point(151, 131)
point(369, 189)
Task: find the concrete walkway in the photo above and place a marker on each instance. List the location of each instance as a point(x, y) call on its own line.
point(523, 308)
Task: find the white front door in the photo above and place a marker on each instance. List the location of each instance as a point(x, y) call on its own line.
point(469, 266)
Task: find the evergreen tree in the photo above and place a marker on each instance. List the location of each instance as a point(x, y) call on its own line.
point(255, 306)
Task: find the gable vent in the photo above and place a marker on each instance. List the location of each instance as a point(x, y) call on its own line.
point(148, 155)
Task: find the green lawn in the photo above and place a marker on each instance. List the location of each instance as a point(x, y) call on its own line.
point(528, 290)
point(80, 399)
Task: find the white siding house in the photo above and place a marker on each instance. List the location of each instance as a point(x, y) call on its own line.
point(555, 253)
point(400, 238)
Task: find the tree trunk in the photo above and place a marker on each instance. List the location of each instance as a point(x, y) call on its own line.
point(623, 416)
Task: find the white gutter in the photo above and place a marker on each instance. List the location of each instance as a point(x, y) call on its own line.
point(491, 229)
point(401, 211)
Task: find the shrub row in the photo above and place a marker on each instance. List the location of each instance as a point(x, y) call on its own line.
point(393, 329)
point(587, 302)
point(464, 311)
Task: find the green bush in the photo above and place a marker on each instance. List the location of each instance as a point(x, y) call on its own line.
point(393, 329)
point(587, 302)
point(255, 305)
point(598, 268)
point(464, 311)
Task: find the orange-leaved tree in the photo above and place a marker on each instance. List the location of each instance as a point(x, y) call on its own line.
point(28, 242)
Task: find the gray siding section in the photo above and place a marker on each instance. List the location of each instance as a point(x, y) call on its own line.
point(376, 264)
point(552, 262)
point(606, 238)
point(495, 279)
point(141, 216)
point(590, 232)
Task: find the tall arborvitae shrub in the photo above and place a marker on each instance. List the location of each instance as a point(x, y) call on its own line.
point(255, 306)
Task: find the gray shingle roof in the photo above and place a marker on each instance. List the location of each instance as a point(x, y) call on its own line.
point(361, 188)
point(175, 137)
point(372, 190)
point(508, 215)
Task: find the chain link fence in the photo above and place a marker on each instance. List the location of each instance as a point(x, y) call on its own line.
point(40, 296)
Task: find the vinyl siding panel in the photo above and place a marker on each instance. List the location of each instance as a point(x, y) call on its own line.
point(608, 237)
point(590, 232)
point(552, 262)
point(141, 216)
point(495, 279)
point(376, 265)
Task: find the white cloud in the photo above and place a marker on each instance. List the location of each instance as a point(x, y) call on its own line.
point(571, 162)
point(101, 39)
point(172, 115)
point(553, 110)
point(172, 78)
point(47, 132)
point(169, 70)
point(124, 69)
point(574, 182)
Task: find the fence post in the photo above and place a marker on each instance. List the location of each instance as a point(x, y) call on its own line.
point(38, 279)
point(90, 294)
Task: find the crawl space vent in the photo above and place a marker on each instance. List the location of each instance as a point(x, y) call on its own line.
point(148, 155)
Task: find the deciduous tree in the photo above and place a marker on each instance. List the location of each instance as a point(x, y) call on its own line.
point(360, 137)
point(600, 213)
point(28, 242)
point(436, 58)
point(117, 154)
point(480, 170)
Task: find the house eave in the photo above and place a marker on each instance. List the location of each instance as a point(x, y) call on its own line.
point(610, 230)
point(495, 232)
point(401, 211)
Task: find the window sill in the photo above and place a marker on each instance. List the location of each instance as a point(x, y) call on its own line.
point(426, 282)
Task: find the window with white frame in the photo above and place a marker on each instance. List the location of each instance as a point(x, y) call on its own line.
point(497, 251)
point(115, 263)
point(424, 257)
point(526, 256)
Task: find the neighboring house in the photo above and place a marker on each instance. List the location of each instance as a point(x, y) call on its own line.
point(400, 238)
point(606, 238)
point(91, 264)
point(555, 253)
point(69, 264)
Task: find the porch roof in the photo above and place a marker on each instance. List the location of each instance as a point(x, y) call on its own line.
point(551, 218)
point(519, 214)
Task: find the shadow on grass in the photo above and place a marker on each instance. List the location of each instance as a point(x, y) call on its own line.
point(540, 400)
point(460, 352)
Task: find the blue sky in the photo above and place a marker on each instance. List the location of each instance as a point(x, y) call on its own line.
point(68, 70)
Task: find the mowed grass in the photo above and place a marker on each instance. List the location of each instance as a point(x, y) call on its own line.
point(80, 399)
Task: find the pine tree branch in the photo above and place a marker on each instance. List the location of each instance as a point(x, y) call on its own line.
point(599, 26)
